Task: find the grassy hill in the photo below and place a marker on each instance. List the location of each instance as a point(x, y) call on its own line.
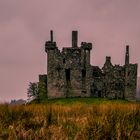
point(75, 118)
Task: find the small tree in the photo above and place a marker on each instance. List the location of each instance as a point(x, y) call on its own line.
point(33, 91)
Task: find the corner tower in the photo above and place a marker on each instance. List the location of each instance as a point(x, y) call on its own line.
point(74, 39)
point(55, 81)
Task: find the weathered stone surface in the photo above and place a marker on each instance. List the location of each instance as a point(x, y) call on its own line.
point(42, 85)
point(70, 74)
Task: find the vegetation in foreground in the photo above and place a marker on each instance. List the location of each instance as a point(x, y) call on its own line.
point(68, 119)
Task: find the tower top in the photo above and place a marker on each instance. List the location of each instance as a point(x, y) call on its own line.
point(50, 45)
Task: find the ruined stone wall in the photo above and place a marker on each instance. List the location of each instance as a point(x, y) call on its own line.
point(56, 82)
point(72, 71)
point(70, 74)
point(86, 69)
point(130, 80)
point(97, 82)
point(118, 81)
point(42, 85)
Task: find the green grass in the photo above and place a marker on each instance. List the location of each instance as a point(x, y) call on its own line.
point(68, 101)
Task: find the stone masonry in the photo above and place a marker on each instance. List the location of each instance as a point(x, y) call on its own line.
point(70, 74)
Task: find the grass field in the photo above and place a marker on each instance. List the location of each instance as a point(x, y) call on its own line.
point(71, 119)
point(68, 101)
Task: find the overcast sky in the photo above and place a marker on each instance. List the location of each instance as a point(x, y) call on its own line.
point(25, 24)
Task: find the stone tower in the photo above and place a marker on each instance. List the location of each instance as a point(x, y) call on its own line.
point(68, 71)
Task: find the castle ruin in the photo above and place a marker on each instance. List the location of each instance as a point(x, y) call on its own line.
point(70, 74)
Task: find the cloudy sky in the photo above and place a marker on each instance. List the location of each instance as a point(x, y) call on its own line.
point(25, 26)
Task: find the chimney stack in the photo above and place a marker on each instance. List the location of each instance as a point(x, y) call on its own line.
point(74, 39)
point(51, 35)
point(127, 55)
